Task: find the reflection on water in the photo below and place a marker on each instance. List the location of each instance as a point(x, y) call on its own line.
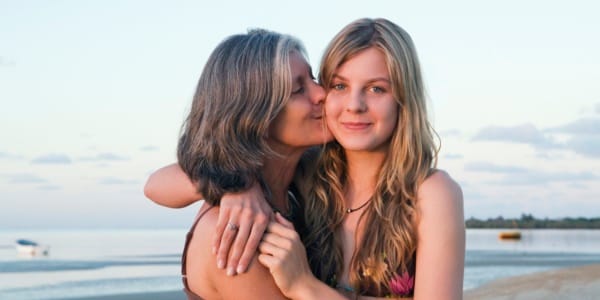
point(536, 240)
point(91, 262)
point(489, 257)
point(101, 262)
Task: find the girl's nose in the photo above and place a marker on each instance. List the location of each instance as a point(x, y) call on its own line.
point(356, 102)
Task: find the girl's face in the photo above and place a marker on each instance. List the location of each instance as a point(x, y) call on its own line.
point(360, 109)
point(300, 123)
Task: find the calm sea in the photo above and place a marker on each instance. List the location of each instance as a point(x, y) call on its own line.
point(104, 262)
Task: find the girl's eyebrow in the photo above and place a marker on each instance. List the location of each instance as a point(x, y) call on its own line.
point(380, 79)
point(376, 79)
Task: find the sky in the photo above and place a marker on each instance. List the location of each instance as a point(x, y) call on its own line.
point(93, 95)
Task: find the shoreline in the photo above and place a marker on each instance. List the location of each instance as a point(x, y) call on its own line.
point(582, 282)
point(163, 295)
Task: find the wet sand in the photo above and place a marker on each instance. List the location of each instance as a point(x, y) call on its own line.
point(569, 283)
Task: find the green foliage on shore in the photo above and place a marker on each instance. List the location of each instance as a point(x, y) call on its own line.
point(528, 221)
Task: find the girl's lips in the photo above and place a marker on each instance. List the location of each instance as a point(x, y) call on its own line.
point(356, 125)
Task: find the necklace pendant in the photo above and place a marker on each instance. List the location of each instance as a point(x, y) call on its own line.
point(349, 210)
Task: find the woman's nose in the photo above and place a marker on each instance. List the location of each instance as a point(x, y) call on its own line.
point(317, 95)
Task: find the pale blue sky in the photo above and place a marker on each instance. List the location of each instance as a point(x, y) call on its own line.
point(93, 94)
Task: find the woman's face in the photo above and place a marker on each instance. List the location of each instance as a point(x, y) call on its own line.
point(300, 123)
point(360, 109)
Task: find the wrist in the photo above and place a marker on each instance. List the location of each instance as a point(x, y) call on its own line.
point(305, 289)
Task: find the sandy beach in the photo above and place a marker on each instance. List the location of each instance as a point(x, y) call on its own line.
point(569, 283)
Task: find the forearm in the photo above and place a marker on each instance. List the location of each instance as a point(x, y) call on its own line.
point(171, 187)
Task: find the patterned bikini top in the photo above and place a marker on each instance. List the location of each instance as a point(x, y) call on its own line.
point(401, 285)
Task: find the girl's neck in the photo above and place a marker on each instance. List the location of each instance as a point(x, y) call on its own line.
point(363, 171)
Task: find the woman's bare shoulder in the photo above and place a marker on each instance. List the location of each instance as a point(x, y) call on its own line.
point(255, 283)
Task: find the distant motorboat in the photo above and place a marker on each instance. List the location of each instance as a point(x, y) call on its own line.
point(510, 235)
point(32, 248)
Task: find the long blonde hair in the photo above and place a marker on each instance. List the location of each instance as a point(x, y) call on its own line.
point(390, 219)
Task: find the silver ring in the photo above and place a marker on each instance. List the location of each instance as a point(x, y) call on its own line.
point(232, 226)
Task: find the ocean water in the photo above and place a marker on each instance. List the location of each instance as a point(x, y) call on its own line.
point(105, 262)
point(90, 263)
point(488, 257)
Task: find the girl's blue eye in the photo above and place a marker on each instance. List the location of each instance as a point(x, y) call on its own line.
point(377, 90)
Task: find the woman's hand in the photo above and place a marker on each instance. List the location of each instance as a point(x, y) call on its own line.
point(243, 218)
point(282, 251)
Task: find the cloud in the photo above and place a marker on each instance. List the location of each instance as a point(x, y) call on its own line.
point(52, 159)
point(450, 132)
point(536, 177)
point(25, 178)
point(581, 126)
point(585, 145)
point(149, 148)
point(493, 168)
point(116, 181)
point(50, 187)
point(453, 156)
point(583, 136)
point(107, 156)
point(525, 133)
point(5, 62)
point(598, 108)
point(10, 156)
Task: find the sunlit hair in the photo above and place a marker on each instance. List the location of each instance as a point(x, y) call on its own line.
point(389, 242)
point(245, 83)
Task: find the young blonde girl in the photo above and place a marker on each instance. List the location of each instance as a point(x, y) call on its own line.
point(397, 223)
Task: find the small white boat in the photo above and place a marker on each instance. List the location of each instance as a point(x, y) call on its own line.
point(32, 248)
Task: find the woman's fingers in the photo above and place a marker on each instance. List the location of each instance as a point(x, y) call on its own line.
point(238, 246)
point(243, 218)
point(220, 228)
point(256, 234)
point(229, 233)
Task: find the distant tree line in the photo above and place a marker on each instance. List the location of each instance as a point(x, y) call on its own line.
point(528, 221)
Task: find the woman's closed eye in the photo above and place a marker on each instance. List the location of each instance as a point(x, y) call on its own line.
point(298, 91)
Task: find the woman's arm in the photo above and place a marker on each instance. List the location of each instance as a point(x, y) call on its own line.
point(248, 210)
point(169, 186)
point(284, 254)
point(441, 239)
